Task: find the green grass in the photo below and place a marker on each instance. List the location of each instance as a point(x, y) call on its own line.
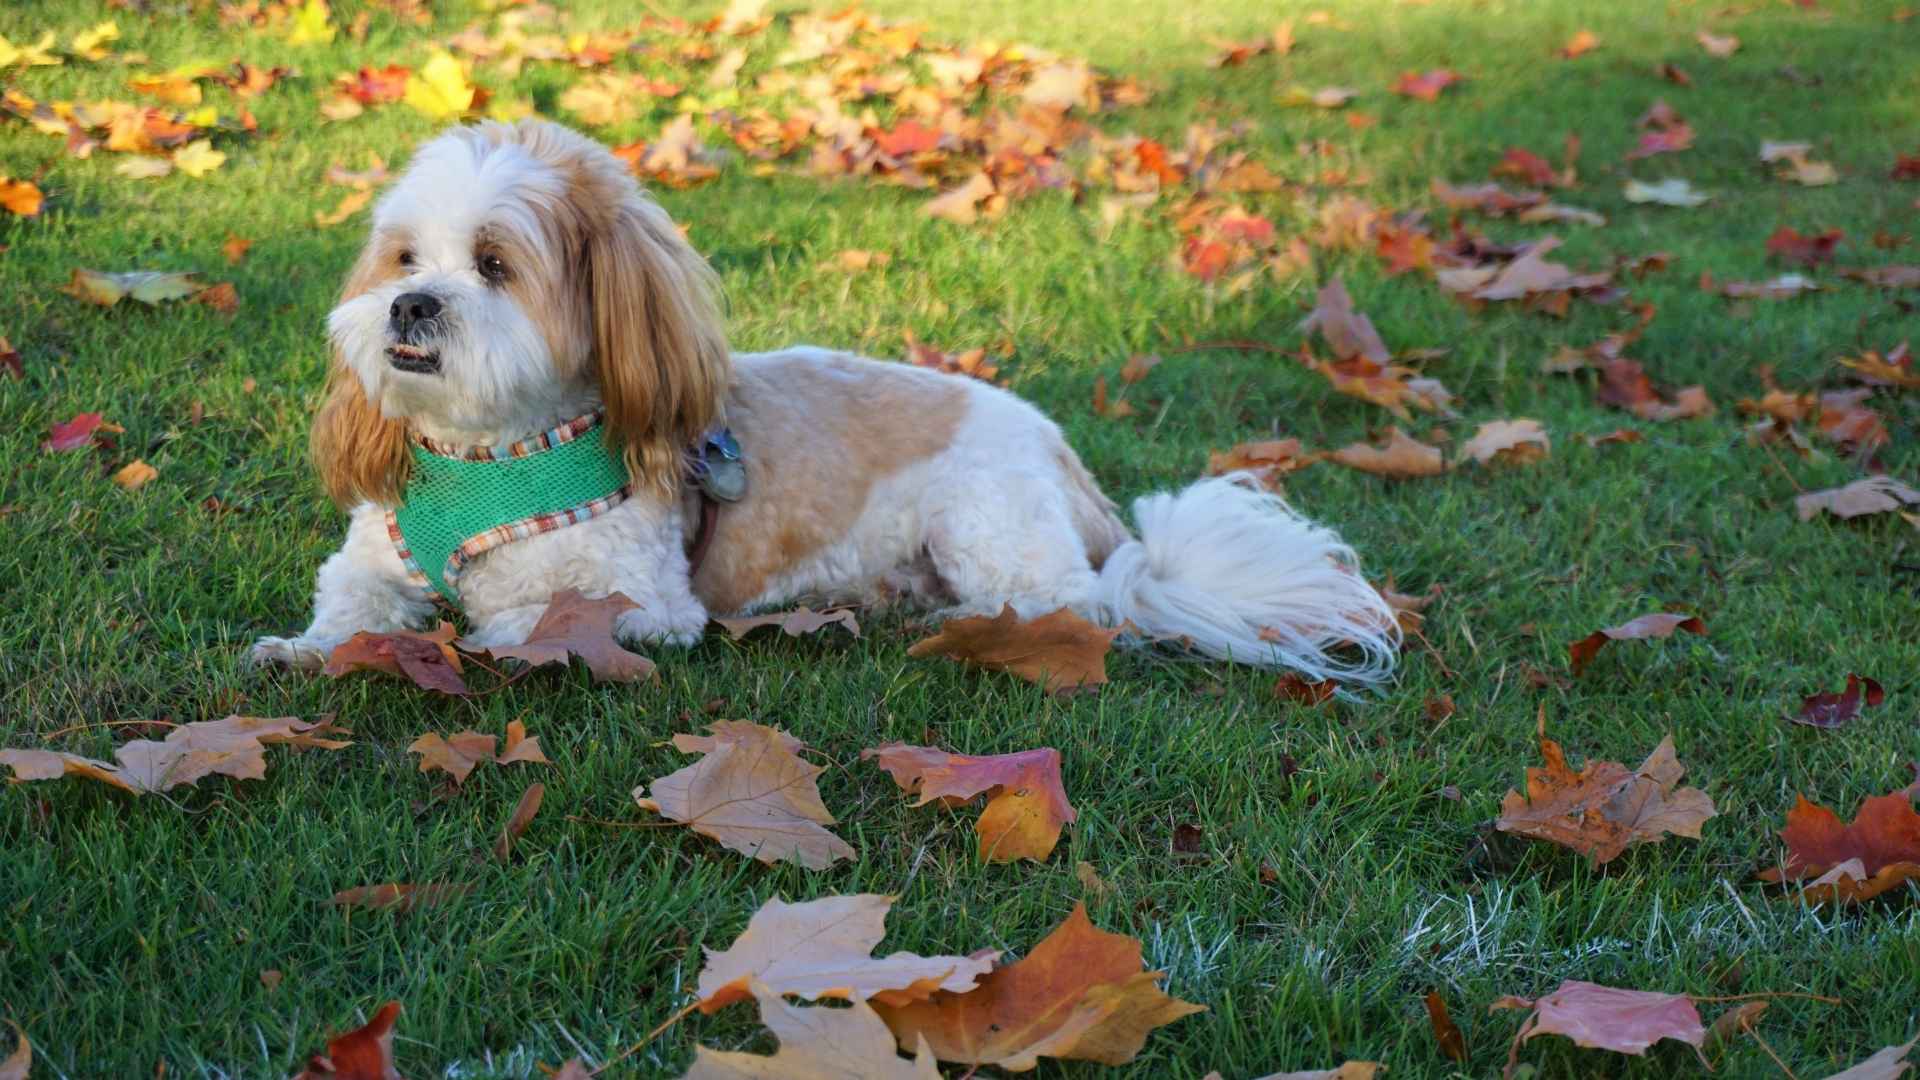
point(1336, 884)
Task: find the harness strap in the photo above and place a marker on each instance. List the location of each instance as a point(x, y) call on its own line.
point(703, 536)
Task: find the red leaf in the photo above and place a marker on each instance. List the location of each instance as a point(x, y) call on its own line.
point(1883, 836)
point(1425, 86)
point(1607, 1018)
point(77, 433)
point(1810, 250)
point(1834, 710)
point(1646, 626)
point(1026, 802)
point(1527, 166)
point(376, 86)
point(427, 660)
point(366, 1054)
point(907, 137)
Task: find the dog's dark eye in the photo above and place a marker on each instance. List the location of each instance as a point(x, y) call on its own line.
point(492, 268)
point(406, 258)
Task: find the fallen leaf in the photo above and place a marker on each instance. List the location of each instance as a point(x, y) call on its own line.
point(440, 88)
point(10, 363)
point(144, 167)
point(1884, 277)
point(1894, 369)
point(350, 204)
point(961, 204)
point(1782, 287)
point(1425, 86)
point(1351, 1070)
point(755, 796)
point(81, 431)
point(1603, 809)
point(1291, 687)
point(1868, 495)
point(135, 474)
point(21, 197)
point(150, 287)
point(312, 24)
point(1137, 367)
point(233, 747)
point(854, 260)
point(573, 625)
point(1608, 1018)
point(1717, 45)
point(1889, 1063)
point(1624, 384)
point(1673, 74)
point(1445, 1031)
point(1579, 45)
point(1403, 457)
point(1269, 460)
point(1516, 442)
point(1808, 250)
point(1060, 650)
point(425, 659)
point(1617, 435)
point(1081, 995)
point(1116, 409)
point(816, 1044)
point(1347, 332)
point(1876, 852)
point(824, 949)
point(397, 898)
point(458, 754)
point(198, 158)
point(972, 363)
point(1026, 801)
point(1091, 881)
point(1734, 1021)
point(1640, 629)
point(365, 1054)
point(1849, 423)
point(1836, 710)
point(794, 623)
point(1673, 192)
point(517, 822)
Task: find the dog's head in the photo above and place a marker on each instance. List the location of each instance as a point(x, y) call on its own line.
point(512, 270)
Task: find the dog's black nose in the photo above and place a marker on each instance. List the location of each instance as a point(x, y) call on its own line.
point(411, 308)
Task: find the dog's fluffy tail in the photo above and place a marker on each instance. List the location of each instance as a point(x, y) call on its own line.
point(1236, 574)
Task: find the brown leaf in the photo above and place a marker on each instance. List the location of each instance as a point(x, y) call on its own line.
point(1603, 809)
point(1608, 1018)
point(1137, 367)
point(796, 623)
point(1347, 332)
point(1835, 710)
point(135, 474)
point(1868, 495)
point(1855, 861)
point(1885, 277)
point(1291, 687)
point(1403, 457)
point(222, 298)
point(1026, 801)
point(517, 822)
point(426, 660)
point(350, 204)
point(1660, 625)
point(458, 754)
point(1624, 384)
point(1445, 1031)
point(573, 625)
point(824, 949)
point(816, 1044)
point(1731, 1023)
point(1112, 410)
point(1079, 995)
point(1788, 244)
point(235, 249)
point(1889, 1063)
point(365, 1054)
point(961, 205)
point(1516, 442)
point(397, 898)
point(1716, 44)
point(1894, 369)
point(1270, 460)
point(233, 747)
point(1849, 423)
point(1060, 650)
point(754, 795)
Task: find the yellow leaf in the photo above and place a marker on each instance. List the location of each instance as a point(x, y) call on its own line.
point(198, 158)
point(144, 167)
point(348, 207)
point(135, 474)
point(38, 54)
point(170, 88)
point(90, 44)
point(440, 88)
point(312, 25)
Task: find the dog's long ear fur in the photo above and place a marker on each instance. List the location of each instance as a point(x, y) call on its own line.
point(361, 455)
point(659, 350)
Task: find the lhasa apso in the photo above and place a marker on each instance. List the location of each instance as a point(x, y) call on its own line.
point(531, 391)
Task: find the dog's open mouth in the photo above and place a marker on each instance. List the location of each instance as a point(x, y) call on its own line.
point(413, 358)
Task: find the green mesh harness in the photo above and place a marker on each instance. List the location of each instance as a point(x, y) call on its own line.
point(460, 503)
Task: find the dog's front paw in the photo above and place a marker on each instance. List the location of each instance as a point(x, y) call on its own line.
point(642, 625)
point(304, 654)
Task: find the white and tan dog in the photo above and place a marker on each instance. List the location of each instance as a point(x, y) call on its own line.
point(517, 279)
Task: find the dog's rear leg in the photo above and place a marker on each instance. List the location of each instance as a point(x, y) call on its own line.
point(1007, 538)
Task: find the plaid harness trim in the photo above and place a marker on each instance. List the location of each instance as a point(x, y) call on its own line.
point(482, 543)
point(527, 447)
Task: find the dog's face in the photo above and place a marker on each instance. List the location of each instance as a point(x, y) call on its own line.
point(512, 272)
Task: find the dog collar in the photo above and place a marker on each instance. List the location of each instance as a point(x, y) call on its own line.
point(463, 502)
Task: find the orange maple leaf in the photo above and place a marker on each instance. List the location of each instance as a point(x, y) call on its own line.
point(1026, 802)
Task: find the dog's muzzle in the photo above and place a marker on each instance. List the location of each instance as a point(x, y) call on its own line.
point(413, 316)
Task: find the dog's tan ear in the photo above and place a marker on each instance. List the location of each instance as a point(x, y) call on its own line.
point(360, 454)
point(659, 350)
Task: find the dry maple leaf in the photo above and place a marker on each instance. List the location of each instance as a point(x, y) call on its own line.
point(1878, 851)
point(1789, 244)
point(796, 623)
point(972, 363)
point(517, 822)
point(961, 204)
point(1347, 332)
point(1889, 1063)
point(1026, 801)
point(1717, 45)
point(426, 660)
point(824, 949)
point(1849, 423)
point(1660, 625)
point(1579, 45)
point(1868, 495)
point(1607, 1018)
point(1445, 1031)
point(573, 625)
point(398, 898)
point(1059, 650)
point(817, 1044)
point(1835, 710)
point(365, 1054)
point(1351, 1070)
point(1270, 460)
point(150, 287)
point(1425, 85)
point(1884, 277)
point(81, 431)
point(1081, 994)
point(1513, 441)
point(1291, 687)
point(1403, 457)
point(754, 795)
point(1602, 809)
point(20, 197)
point(458, 754)
point(1894, 369)
point(1624, 384)
point(233, 747)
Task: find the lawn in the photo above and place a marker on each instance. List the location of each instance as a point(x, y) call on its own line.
point(1333, 864)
